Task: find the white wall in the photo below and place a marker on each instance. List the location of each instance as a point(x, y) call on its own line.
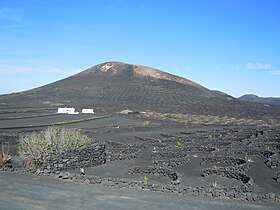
point(66, 110)
point(87, 111)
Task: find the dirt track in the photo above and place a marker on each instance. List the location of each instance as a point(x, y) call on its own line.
point(19, 191)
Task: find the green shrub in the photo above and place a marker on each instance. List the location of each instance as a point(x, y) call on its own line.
point(266, 148)
point(145, 180)
point(215, 184)
point(56, 104)
point(51, 142)
point(147, 123)
point(179, 144)
point(51, 104)
point(173, 116)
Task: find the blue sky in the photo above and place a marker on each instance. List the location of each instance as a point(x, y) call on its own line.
point(227, 45)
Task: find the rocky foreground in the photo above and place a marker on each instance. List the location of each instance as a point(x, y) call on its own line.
point(240, 163)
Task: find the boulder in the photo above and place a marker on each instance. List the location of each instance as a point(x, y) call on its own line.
point(127, 111)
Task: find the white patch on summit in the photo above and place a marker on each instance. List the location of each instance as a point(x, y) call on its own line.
point(107, 66)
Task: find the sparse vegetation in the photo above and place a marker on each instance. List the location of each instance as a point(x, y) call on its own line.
point(80, 120)
point(266, 148)
point(51, 142)
point(179, 144)
point(147, 123)
point(202, 119)
point(57, 104)
point(215, 184)
point(51, 104)
point(145, 180)
point(248, 158)
point(173, 116)
point(31, 116)
point(47, 102)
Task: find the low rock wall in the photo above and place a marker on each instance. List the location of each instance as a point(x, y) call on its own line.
point(169, 159)
point(273, 163)
point(154, 170)
point(170, 163)
point(237, 193)
point(123, 154)
point(85, 157)
point(229, 173)
point(250, 152)
point(229, 160)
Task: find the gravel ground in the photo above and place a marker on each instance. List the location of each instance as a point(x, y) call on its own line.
point(20, 191)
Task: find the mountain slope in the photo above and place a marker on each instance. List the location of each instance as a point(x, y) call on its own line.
point(261, 100)
point(114, 86)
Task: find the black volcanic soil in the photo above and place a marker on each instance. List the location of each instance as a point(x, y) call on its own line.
point(201, 148)
point(31, 192)
point(212, 142)
point(114, 86)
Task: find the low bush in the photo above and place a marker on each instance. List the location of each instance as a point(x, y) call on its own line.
point(51, 104)
point(147, 123)
point(215, 184)
point(51, 142)
point(179, 144)
point(145, 180)
point(4, 154)
point(173, 116)
point(266, 148)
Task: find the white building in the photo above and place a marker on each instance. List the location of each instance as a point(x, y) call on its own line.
point(87, 111)
point(66, 110)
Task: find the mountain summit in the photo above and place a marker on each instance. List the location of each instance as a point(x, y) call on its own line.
point(130, 70)
point(114, 86)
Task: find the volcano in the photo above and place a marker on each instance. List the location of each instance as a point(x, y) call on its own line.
point(270, 101)
point(115, 86)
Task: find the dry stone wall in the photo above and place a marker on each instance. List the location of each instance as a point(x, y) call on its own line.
point(173, 175)
point(85, 157)
point(231, 174)
point(222, 159)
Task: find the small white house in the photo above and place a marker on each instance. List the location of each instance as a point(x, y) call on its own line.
point(87, 111)
point(66, 110)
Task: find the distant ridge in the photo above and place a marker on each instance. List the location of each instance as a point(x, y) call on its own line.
point(273, 101)
point(116, 86)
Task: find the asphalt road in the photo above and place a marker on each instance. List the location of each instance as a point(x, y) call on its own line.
point(20, 191)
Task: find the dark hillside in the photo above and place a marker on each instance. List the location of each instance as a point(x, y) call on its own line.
point(273, 101)
point(114, 86)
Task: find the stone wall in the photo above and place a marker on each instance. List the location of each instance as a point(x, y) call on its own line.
point(173, 175)
point(169, 159)
point(230, 173)
point(229, 160)
point(120, 151)
point(90, 156)
point(250, 152)
point(237, 193)
point(273, 162)
point(215, 192)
